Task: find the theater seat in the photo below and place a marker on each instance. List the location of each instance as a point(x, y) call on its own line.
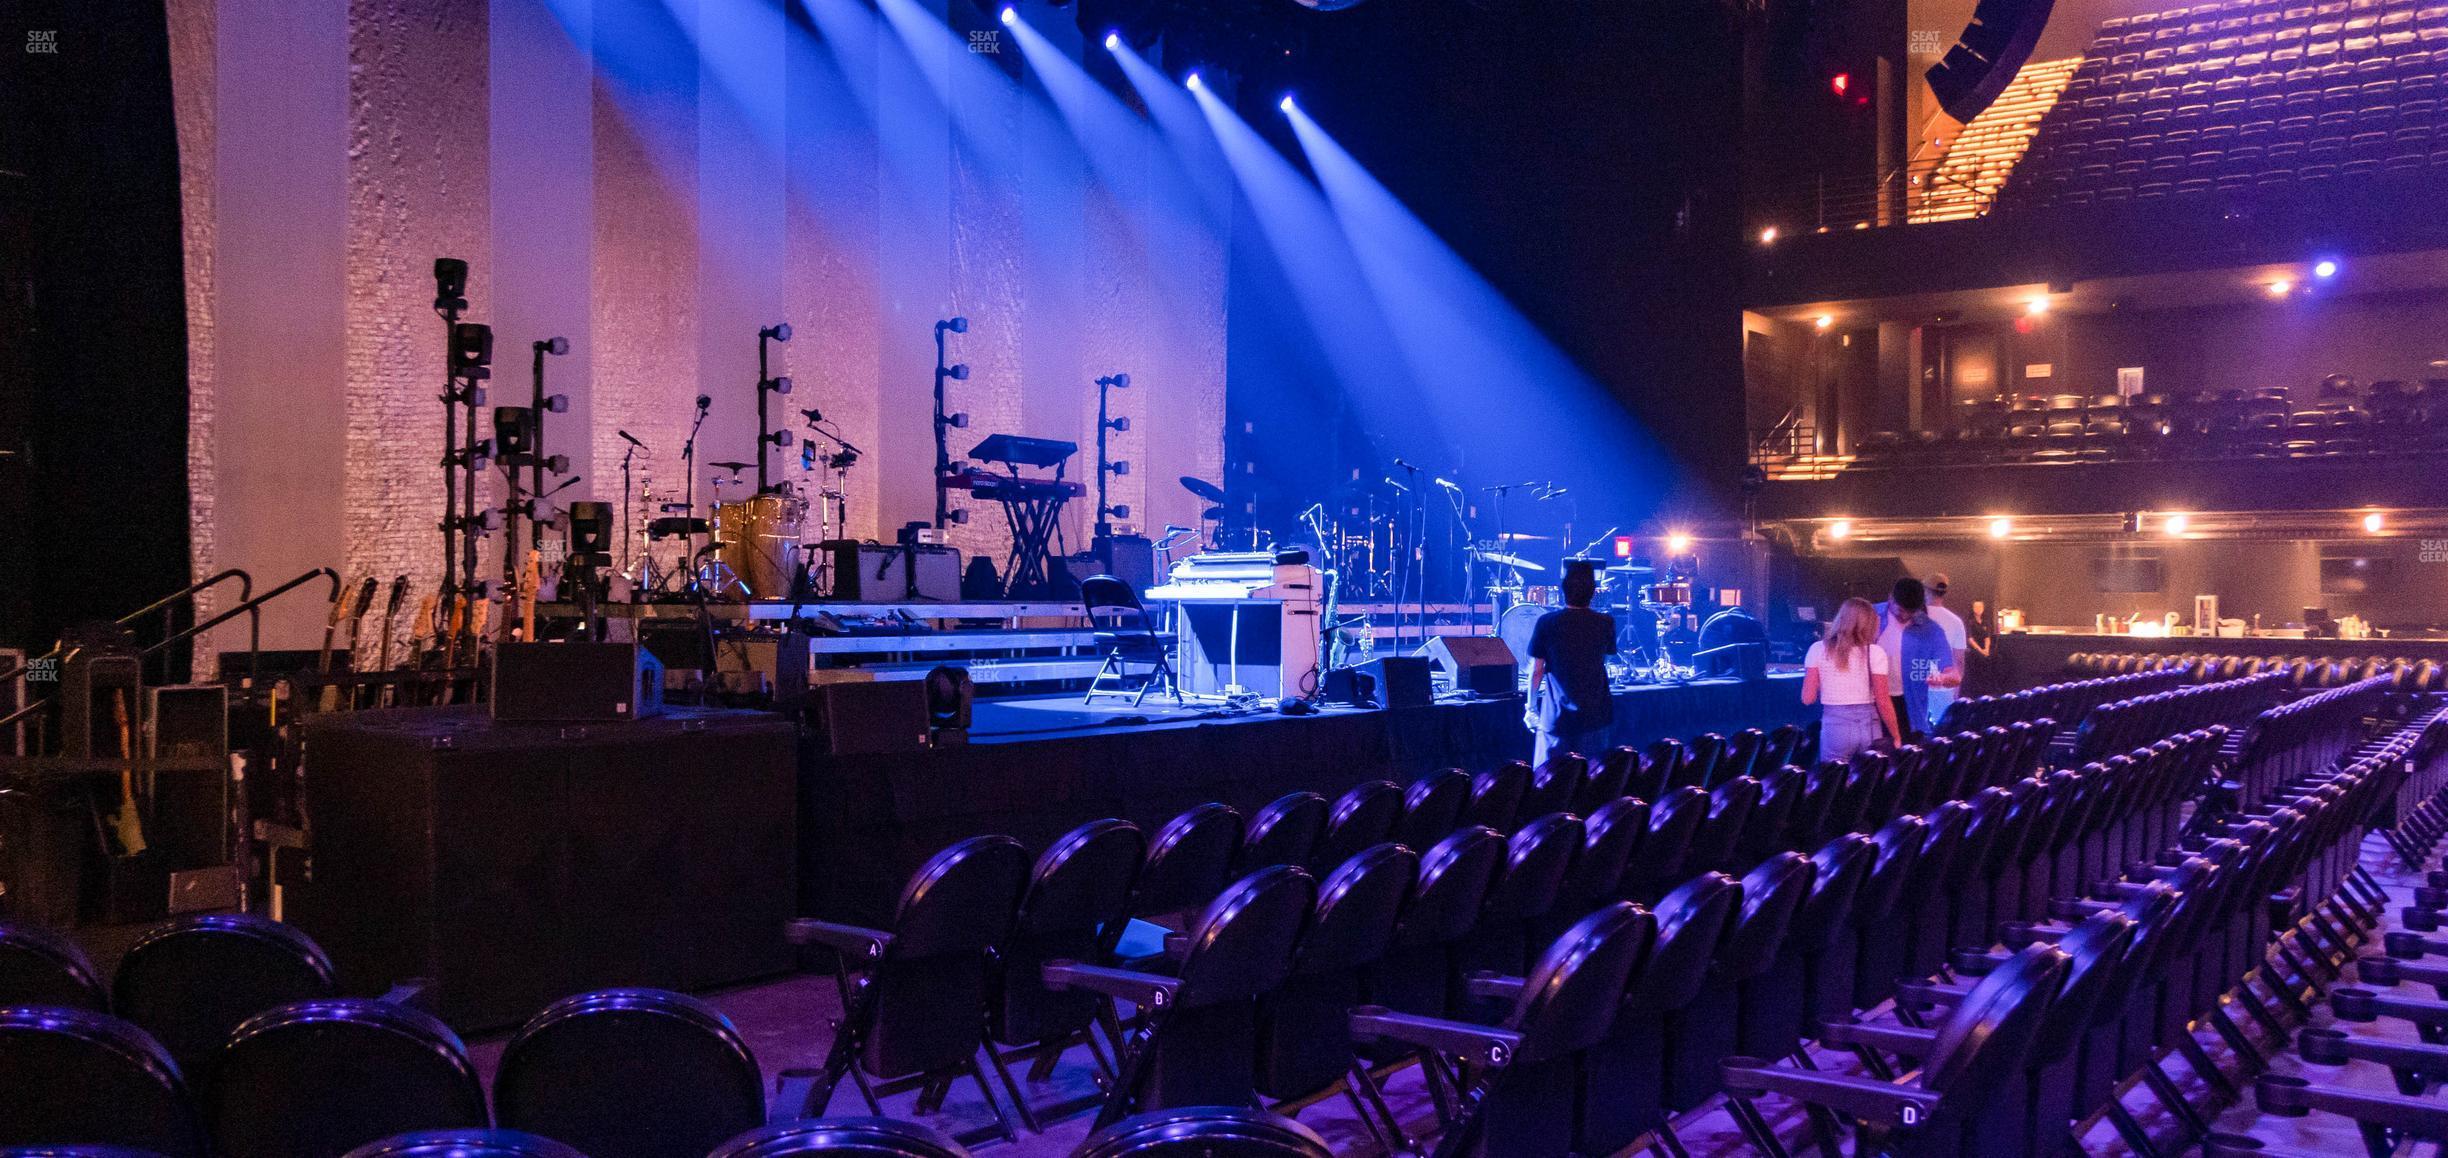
point(80, 1077)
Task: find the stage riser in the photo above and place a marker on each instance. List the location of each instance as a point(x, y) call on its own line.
point(867, 821)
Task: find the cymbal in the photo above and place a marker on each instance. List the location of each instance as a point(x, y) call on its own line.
point(1503, 560)
point(1628, 569)
point(1525, 537)
point(1212, 513)
point(1203, 489)
point(731, 465)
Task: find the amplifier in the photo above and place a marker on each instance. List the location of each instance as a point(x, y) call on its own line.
point(877, 572)
point(186, 721)
point(1479, 664)
point(89, 724)
point(575, 683)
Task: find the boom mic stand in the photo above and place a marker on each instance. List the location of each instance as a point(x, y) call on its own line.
point(688, 466)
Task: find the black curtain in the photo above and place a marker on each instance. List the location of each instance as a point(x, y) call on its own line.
point(93, 328)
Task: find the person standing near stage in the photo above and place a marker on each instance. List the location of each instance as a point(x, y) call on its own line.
point(1571, 704)
point(1847, 675)
point(1957, 641)
point(1918, 652)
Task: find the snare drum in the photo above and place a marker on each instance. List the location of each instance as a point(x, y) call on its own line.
point(758, 540)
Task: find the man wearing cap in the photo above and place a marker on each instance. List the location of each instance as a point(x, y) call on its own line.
point(1571, 704)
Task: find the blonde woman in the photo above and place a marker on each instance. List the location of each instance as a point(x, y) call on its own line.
point(1849, 675)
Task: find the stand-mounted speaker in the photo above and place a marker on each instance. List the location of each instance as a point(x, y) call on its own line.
point(1986, 57)
point(1394, 681)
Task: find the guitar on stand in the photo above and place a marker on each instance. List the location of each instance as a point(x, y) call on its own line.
point(530, 580)
point(382, 650)
point(127, 826)
point(456, 628)
point(360, 603)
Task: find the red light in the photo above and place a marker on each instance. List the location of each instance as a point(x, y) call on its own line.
point(1840, 82)
point(1623, 546)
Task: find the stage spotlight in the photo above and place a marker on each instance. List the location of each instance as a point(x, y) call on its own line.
point(2036, 307)
point(2001, 527)
point(1823, 321)
point(1678, 543)
point(1192, 81)
point(1768, 236)
point(1011, 15)
point(1286, 103)
point(1113, 42)
point(2326, 268)
point(2280, 288)
point(2174, 524)
point(1840, 530)
point(2372, 523)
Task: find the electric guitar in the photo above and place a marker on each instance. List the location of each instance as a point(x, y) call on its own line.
point(128, 825)
point(360, 603)
point(457, 629)
point(331, 624)
point(420, 642)
point(382, 653)
point(531, 580)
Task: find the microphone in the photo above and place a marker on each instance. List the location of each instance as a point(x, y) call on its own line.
point(632, 439)
point(1389, 481)
point(813, 415)
point(1552, 492)
point(1406, 466)
point(1450, 485)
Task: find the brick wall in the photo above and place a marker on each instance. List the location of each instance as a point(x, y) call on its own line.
point(654, 209)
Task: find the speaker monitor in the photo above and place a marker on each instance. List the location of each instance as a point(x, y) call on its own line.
point(1401, 681)
point(864, 716)
point(1479, 664)
point(575, 683)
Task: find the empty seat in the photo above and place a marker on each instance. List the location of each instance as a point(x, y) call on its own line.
point(325, 1077)
point(79, 1077)
point(465, 1144)
point(863, 1137)
point(41, 967)
point(630, 1073)
point(1201, 1132)
point(191, 981)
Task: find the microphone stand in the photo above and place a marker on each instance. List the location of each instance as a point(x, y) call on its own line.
point(627, 505)
point(688, 465)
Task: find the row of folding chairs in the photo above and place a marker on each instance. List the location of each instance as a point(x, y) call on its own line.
point(2300, 736)
point(2020, 1043)
point(2406, 674)
point(1628, 1019)
point(2123, 724)
point(980, 920)
point(1197, 1132)
point(2065, 702)
point(2418, 820)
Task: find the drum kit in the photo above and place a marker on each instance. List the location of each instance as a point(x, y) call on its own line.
point(750, 547)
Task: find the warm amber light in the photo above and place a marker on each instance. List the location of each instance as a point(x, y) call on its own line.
point(1841, 529)
point(2000, 527)
point(2174, 524)
point(1823, 321)
point(2373, 522)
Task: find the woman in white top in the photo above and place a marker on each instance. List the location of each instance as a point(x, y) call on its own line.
point(1849, 675)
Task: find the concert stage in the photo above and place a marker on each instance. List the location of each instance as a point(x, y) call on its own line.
point(1035, 767)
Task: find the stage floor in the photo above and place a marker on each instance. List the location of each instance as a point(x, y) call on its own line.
point(1015, 719)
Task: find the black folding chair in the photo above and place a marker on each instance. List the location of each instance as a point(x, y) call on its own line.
point(1201, 1132)
point(77, 1077)
point(191, 981)
point(467, 1144)
point(1081, 885)
point(914, 998)
point(325, 1077)
point(1127, 634)
point(1520, 1074)
point(841, 1138)
point(1199, 1042)
point(630, 1073)
point(1351, 929)
point(42, 967)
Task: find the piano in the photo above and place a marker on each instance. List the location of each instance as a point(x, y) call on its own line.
point(1246, 623)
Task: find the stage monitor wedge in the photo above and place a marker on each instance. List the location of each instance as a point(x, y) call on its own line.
point(1985, 59)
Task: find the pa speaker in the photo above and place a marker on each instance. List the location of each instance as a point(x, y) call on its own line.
point(575, 683)
point(1479, 664)
point(864, 716)
point(1988, 55)
point(1400, 681)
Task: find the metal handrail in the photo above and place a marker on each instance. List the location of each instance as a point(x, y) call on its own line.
point(251, 606)
point(187, 594)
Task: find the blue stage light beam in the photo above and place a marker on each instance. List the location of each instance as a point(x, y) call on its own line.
point(1328, 296)
point(1492, 381)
